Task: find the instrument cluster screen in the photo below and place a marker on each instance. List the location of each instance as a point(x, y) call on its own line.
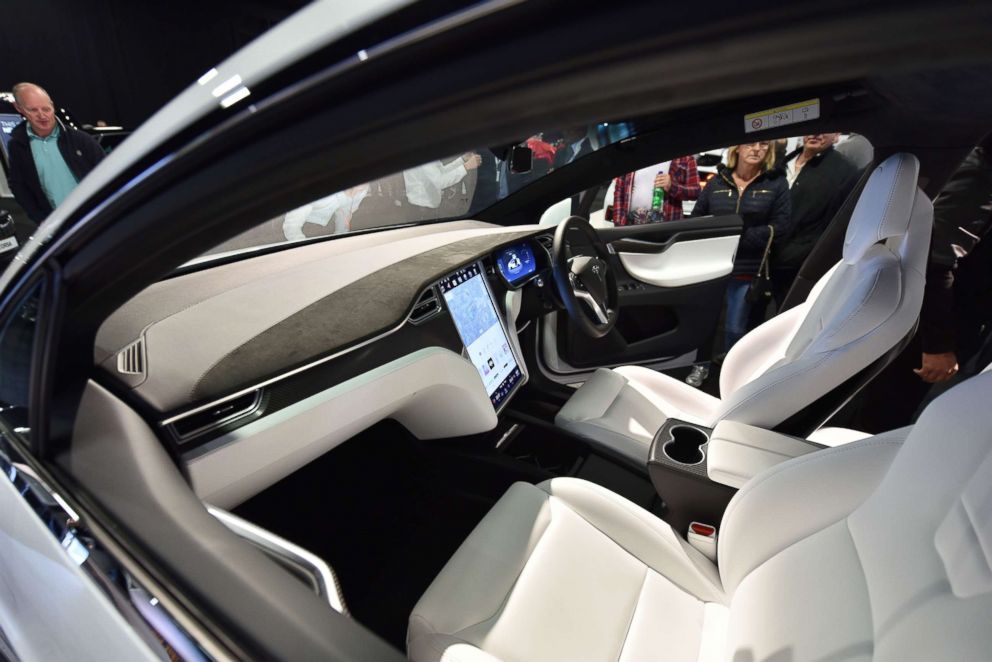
point(516, 263)
point(467, 297)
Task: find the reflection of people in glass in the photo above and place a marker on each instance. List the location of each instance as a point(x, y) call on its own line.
point(425, 183)
point(338, 207)
point(750, 187)
point(633, 196)
point(574, 145)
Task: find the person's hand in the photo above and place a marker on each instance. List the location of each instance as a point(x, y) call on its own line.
point(664, 181)
point(937, 367)
point(472, 161)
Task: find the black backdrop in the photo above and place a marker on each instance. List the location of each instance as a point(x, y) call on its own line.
point(121, 60)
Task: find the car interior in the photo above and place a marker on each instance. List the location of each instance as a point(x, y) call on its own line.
point(472, 435)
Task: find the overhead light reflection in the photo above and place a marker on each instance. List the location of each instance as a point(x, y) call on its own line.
point(235, 97)
point(207, 77)
point(363, 55)
point(227, 86)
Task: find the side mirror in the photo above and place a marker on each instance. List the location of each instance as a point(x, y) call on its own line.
point(521, 159)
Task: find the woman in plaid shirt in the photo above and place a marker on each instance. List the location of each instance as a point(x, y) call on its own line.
point(633, 193)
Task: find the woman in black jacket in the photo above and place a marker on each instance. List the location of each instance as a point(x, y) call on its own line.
point(752, 188)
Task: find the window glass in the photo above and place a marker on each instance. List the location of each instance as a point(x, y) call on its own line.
point(457, 186)
point(17, 341)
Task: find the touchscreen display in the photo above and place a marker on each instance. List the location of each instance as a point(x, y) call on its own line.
point(516, 263)
point(472, 308)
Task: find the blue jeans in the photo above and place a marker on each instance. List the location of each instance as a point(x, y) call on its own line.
point(735, 324)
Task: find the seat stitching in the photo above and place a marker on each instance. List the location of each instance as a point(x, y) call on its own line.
point(864, 302)
point(900, 166)
point(864, 573)
point(674, 547)
point(812, 457)
point(769, 386)
point(513, 585)
point(824, 454)
point(633, 612)
point(842, 518)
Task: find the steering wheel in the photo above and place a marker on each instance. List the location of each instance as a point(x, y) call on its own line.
point(587, 286)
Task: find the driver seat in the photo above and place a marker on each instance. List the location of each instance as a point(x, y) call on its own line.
point(861, 309)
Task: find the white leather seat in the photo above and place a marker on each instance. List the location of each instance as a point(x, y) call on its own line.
point(889, 568)
point(862, 308)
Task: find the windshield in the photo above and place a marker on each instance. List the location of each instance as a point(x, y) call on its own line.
point(454, 187)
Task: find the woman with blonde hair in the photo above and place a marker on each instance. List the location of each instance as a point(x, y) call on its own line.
point(751, 187)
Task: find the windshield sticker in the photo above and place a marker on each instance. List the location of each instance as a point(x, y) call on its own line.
point(781, 116)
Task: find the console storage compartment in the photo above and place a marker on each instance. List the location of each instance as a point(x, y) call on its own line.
point(738, 452)
point(677, 465)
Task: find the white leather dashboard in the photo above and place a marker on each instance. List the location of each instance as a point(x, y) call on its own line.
point(433, 392)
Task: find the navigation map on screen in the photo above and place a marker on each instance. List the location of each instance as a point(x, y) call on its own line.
point(480, 329)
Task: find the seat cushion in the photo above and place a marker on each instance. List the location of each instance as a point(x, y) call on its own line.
point(567, 570)
point(623, 408)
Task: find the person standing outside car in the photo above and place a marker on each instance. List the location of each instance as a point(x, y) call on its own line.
point(47, 159)
point(952, 341)
point(820, 179)
point(750, 186)
point(633, 196)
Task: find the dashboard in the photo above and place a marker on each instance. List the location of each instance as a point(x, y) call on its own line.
point(257, 367)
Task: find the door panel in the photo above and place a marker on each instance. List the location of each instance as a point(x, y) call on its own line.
point(685, 263)
point(672, 277)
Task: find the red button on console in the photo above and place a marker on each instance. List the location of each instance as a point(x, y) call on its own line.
point(703, 529)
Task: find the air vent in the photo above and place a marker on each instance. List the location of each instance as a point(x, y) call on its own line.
point(216, 416)
point(547, 241)
point(427, 306)
point(131, 359)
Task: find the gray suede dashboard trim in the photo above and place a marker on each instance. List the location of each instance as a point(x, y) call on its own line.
point(363, 309)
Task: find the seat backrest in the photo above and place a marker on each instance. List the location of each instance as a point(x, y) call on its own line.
point(858, 311)
point(880, 549)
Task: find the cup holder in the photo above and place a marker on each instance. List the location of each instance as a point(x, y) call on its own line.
point(684, 445)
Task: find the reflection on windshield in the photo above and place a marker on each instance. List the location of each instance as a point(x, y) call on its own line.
point(454, 187)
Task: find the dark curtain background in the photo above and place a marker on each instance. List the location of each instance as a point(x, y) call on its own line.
point(121, 60)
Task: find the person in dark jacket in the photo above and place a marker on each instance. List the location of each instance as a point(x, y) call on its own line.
point(751, 187)
point(47, 159)
point(956, 316)
point(820, 179)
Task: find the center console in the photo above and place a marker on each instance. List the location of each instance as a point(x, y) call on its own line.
point(697, 470)
point(677, 466)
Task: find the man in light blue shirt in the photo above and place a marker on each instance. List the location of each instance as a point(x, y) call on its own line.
point(47, 159)
point(57, 181)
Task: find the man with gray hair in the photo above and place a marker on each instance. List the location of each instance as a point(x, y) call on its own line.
point(47, 159)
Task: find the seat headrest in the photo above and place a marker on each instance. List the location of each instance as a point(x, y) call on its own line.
point(885, 206)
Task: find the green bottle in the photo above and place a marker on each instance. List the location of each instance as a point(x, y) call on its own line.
point(657, 198)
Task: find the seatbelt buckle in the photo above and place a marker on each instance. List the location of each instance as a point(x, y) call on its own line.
point(703, 538)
